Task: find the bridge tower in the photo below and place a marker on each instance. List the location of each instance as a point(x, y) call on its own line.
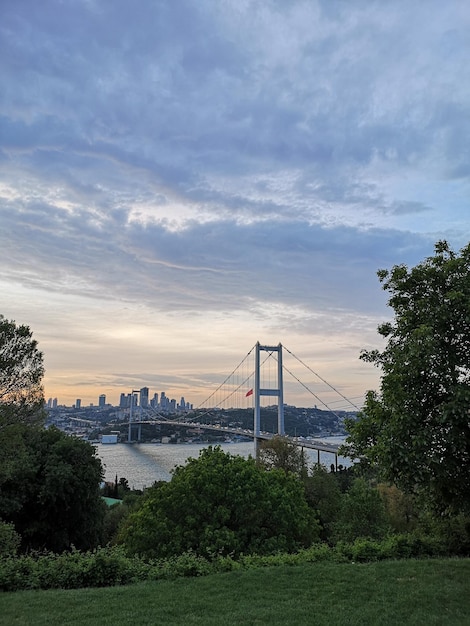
point(131, 420)
point(275, 391)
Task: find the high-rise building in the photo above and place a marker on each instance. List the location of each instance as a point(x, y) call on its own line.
point(78, 403)
point(102, 400)
point(123, 401)
point(154, 401)
point(144, 397)
point(54, 403)
point(132, 400)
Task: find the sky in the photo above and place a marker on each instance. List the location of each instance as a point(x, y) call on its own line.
point(182, 179)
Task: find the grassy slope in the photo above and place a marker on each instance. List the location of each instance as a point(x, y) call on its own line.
point(390, 592)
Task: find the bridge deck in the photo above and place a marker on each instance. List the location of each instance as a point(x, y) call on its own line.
point(312, 445)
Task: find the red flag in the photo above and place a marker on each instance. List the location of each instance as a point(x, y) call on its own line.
point(249, 393)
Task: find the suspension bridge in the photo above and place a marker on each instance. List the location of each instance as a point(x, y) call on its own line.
point(257, 381)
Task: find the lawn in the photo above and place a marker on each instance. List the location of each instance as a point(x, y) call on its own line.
point(426, 592)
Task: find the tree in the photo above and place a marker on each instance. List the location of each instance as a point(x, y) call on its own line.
point(362, 514)
point(21, 372)
point(221, 504)
point(324, 495)
point(49, 481)
point(51, 490)
point(280, 453)
point(9, 540)
point(416, 429)
point(400, 507)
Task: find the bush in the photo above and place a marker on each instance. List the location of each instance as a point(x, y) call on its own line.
point(110, 566)
point(9, 540)
point(73, 570)
point(451, 532)
point(221, 504)
point(362, 514)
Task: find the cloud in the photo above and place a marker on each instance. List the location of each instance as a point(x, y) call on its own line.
point(250, 161)
point(215, 265)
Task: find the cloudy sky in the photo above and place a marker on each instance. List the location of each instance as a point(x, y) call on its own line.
point(180, 179)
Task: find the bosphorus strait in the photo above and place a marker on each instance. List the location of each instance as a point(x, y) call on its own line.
point(143, 464)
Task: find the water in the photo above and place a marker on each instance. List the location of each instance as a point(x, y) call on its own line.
point(143, 464)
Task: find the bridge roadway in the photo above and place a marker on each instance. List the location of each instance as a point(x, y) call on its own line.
point(320, 446)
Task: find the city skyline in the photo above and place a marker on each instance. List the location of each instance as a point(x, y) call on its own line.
point(140, 399)
point(183, 180)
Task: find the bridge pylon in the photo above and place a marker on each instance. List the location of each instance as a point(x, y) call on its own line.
point(271, 391)
point(131, 420)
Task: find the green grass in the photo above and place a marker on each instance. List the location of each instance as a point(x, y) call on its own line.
point(423, 592)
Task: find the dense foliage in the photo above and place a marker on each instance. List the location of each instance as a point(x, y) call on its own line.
point(361, 514)
point(417, 429)
point(111, 566)
point(222, 504)
point(21, 372)
point(323, 494)
point(49, 481)
point(280, 453)
point(49, 488)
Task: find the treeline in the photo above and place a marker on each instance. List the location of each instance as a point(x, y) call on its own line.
point(219, 512)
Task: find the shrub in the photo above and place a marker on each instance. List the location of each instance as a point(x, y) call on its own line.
point(362, 514)
point(221, 504)
point(9, 540)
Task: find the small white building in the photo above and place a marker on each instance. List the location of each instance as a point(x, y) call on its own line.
point(109, 438)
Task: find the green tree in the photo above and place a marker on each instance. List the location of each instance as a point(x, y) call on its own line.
point(51, 490)
point(324, 495)
point(400, 507)
point(280, 453)
point(221, 504)
point(362, 514)
point(21, 372)
point(49, 481)
point(9, 540)
point(416, 429)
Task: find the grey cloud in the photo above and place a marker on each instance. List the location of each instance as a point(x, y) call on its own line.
point(212, 266)
point(189, 80)
point(268, 121)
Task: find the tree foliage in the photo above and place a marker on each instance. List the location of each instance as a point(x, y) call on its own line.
point(361, 515)
point(221, 504)
point(49, 488)
point(416, 429)
point(21, 372)
point(324, 495)
point(280, 453)
point(9, 540)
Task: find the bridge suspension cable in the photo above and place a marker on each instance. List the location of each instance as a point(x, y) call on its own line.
point(322, 379)
point(237, 374)
point(227, 379)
